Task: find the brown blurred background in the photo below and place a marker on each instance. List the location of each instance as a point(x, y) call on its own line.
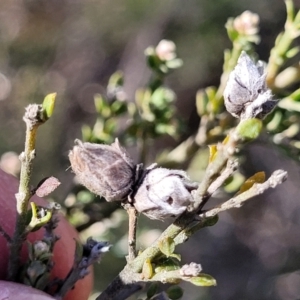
point(72, 47)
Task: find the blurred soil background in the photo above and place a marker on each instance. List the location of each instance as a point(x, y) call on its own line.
point(73, 46)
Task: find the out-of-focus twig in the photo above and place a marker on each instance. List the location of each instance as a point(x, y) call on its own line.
point(275, 179)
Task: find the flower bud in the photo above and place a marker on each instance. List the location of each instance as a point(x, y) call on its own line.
point(246, 94)
point(106, 170)
point(190, 270)
point(164, 193)
point(247, 23)
point(166, 50)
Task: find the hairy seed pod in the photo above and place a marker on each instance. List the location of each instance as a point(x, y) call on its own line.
point(164, 193)
point(106, 170)
point(246, 94)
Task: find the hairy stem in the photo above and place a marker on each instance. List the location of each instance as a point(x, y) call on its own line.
point(32, 119)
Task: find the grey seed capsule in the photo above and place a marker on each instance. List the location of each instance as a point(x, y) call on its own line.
point(246, 94)
point(106, 170)
point(164, 193)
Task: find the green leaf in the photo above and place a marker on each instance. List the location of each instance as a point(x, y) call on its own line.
point(249, 129)
point(119, 107)
point(152, 290)
point(234, 183)
point(48, 105)
point(202, 280)
point(174, 63)
point(99, 102)
point(116, 80)
point(232, 33)
point(78, 251)
point(202, 103)
point(290, 10)
point(40, 217)
point(167, 246)
point(292, 52)
point(102, 106)
point(86, 133)
point(211, 221)
point(175, 292)
point(176, 256)
point(169, 264)
point(147, 271)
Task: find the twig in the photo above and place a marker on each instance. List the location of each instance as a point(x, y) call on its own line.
point(201, 137)
point(124, 285)
point(129, 279)
point(231, 167)
point(84, 257)
point(32, 118)
point(132, 216)
point(275, 179)
point(208, 218)
point(215, 167)
point(225, 174)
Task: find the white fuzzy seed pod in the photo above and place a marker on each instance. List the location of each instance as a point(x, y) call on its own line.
point(246, 94)
point(106, 170)
point(164, 193)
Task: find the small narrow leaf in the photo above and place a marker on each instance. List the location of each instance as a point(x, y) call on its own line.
point(48, 105)
point(169, 264)
point(249, 129)
point(40, 216)
point(202, 103)
point(147, 271)
point(212, 152)
point(259, 177)
point(78, 251)
point(211, 221)
point(174, 63)
point(202, 280)
point(116, 80)
point(167, 246)
point(176, 256)
point(292, 52)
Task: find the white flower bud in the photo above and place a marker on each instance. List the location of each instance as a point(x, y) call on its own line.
point(246, 94)
point(165, 50)
point(247, 23)
point(40, 248)
point(164, 193)
point(190, 270)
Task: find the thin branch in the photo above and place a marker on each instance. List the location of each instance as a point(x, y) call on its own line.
point(132, 216)
point(129, 279)
point(126, 277)
point(213, 170)
point(124, 285)
point(231, 167)
point(225, 174)
point(275, 179)
point(32, 119)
